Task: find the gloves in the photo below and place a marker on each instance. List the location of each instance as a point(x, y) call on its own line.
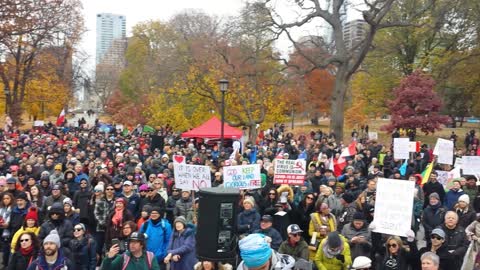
point(410, 235)
point(372, 225)
point(340, 257)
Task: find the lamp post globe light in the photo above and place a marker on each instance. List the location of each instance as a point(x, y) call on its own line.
point(223, 83)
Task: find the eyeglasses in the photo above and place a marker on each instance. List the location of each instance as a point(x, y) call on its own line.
point(436, 237)
point(392, 245)
point(24, 240)
point(309, 198)
point(78, 229)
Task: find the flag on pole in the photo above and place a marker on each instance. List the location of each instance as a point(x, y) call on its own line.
point(61, 118)
point(339, 165)
point(403, 168)
point(349, 151)
point(426, 173)
point(147, 129)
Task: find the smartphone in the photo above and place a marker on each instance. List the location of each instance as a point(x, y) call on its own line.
point(115, 241)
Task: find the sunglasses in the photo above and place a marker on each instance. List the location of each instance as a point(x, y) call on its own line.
point(97, 190)
point(272, 194)
point(309, 198)
point(157, 183)
point(149, 190)
point(436, 237)
point(392, 245)
point(78, 229)
point(24, 240)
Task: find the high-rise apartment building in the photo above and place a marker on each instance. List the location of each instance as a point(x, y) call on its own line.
point(110, 27)
point(354, 32)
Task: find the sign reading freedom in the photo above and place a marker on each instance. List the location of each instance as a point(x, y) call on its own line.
point(290, 172)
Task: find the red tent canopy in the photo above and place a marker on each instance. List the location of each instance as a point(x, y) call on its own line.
point(211, 129)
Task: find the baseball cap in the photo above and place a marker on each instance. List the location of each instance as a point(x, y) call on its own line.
point(128, 183)
point(293, 228)
point(438, 232)
point(267, 218)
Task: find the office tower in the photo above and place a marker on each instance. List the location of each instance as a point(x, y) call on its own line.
point(111, 30)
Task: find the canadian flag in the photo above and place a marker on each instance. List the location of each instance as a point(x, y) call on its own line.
point(61, 118)
point(349, 151)
point(338, 165)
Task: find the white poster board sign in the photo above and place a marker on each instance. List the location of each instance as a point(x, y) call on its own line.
point(242, 177)
point(290, 172)
point(38, 123)
point(458, 163)
point(471, 165)
point(401, 148)
point(442, 177)
point(394, 206)
point(192, 177)
point(373, 135)
point(444, 151)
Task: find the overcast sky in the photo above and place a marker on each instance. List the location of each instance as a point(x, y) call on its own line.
point(142, 10)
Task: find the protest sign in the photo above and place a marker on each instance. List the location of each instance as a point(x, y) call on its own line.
point(442, 177)
point(290, 172)
point(458, 162)
point(373, 135)
point(192, 177)
point(401, 148)
point(393, 206)
point(179, 159)
point(471, 165)
point(444, 151)
point(242, 177)
point(38, 123)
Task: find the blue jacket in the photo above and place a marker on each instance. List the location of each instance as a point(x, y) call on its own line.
point(451, 198)
point(158, 237)
point(248, 218)
point(40, 263)
point(183, 245)
point(274, 234)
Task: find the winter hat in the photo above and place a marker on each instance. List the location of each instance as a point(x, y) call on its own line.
point(333, 240)
point(58, 167)
point(249, 200)
point(147, 208)
point(348, 197)
point(180, 219)
point(32, 214)
point(438, 232)
point(11, 180)
point(99, 187)
point(361, 262)
point(22, 195)
point(254, 250)
point(68, 201)
point(121, 200)
point(464, 198)
point(53, 237)
point(57, 208)
point(159, 210)
point(359, 216)
point(143, 187)
point(434, 195)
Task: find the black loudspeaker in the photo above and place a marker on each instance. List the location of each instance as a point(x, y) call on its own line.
point(217, 223)
point(157, 142)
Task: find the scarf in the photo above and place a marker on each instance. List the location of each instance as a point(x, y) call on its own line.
point(117, 217)
point(330, 254)
point(26, 251)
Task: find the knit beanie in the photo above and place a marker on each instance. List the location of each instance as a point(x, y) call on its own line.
point(32, 214)
point(53, 237)
point(333, 240)
point(180, 219)
point(464, 198)
point(249, 200)
point(434, 195)
point(254, 250)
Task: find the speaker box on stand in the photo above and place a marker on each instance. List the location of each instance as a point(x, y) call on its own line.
point(217, 222)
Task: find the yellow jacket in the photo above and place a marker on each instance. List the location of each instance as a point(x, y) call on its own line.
point(22, 229)
point(324, 263)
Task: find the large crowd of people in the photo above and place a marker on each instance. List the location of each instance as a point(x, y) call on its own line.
point(80, 198)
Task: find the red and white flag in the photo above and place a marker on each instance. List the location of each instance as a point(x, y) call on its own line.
point(349, 151)
point(339, 165)
point(61, 118)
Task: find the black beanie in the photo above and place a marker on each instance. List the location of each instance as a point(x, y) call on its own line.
point(333, 240)
point(348, 197)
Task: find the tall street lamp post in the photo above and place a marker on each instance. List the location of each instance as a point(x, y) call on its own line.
point(223, 88)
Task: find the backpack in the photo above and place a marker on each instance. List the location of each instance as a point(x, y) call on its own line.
point(162, 224)
point(126, 260)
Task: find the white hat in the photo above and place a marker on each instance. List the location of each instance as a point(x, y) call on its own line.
point(464, 198)
point(361, 262)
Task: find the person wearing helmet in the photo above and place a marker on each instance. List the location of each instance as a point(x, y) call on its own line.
point(136, 258)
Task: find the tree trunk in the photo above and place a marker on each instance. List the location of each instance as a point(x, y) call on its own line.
point(15, 112)
point(338, 104)
point(252, 133)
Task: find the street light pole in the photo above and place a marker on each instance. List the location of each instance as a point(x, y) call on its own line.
point(223, 88)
